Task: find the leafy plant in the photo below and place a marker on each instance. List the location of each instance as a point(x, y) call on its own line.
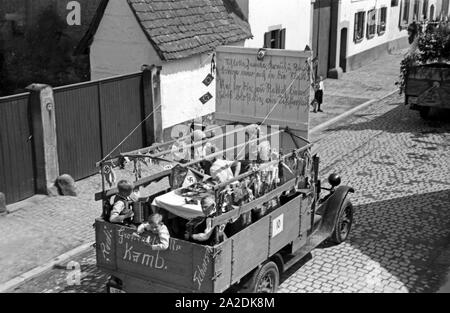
point(433, 45)
point(43, 55)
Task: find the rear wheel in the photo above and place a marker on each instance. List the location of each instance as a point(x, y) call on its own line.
point(265, 280)
point(343, 223)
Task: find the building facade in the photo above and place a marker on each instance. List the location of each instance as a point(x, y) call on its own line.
point(350, 33)
point(278, 24)
point(180, 36)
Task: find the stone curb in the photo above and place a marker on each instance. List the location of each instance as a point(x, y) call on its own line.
point(9, 285)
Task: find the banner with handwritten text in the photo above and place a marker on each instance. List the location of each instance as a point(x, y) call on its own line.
point(277, 87)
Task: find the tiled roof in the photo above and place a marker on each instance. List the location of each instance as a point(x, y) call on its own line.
point(181, 28)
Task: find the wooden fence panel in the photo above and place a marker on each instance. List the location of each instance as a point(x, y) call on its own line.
point(17, 180)
point(92, 118)
point(78, 129)
point(121, 111)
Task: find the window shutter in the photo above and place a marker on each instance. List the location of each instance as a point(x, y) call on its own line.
point(355, 30)
point(368, 26)
point(283, 38)
point(267, 38)
point(379, 21)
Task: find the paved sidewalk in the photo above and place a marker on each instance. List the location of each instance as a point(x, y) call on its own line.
point(41, 228)
point(372, 81)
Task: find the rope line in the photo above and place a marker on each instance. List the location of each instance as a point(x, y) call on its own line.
point(273, 108)
point(131, 133)
point(243, 148)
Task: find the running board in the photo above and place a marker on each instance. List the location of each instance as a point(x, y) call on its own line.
point(312, 242)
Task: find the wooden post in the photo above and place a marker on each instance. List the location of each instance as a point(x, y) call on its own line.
point(42, 109)
point(152, 103)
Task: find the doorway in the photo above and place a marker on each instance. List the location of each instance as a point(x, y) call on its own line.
point(343, 50)
point(321, 35)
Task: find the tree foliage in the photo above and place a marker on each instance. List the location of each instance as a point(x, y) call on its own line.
point(43, 55)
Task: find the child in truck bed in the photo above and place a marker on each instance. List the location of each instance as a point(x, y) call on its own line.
point(157, 227)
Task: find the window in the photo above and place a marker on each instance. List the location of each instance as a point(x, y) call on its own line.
point(275, 39)
point(404, 14)
point(445, 7)
point(394, 3)
point(425, 9)
point(359, 26)
point(382, 18)
point(371, 23)
point(416, 10)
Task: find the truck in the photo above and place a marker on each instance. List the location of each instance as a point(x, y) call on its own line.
point(277, 227)
point(425, 70)
point(428, 86)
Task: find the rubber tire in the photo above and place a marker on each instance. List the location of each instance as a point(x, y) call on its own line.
point(424, 113)
point(336, 236)
point(269, 266)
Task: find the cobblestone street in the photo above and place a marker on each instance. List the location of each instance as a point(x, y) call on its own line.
point(66, 232)
point(399, 166)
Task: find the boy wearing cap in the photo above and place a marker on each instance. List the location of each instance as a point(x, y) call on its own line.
point(121, 212)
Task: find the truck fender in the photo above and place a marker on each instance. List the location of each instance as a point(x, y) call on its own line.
point(333, 206)
point(248, 280)
point(278, 259)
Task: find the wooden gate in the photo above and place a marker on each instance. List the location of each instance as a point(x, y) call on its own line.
point(93, 118)
point(17, 179)
point(77, 129)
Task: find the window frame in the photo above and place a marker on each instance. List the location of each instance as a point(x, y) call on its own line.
point(382, 25)
point(362, 23)
point(416, 15)
point(370, 27)
point(275, 39)
point(404, 8)
point(425, 8)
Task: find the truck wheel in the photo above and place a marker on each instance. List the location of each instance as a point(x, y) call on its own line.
point(343, 223)
point(424, 112)
point(265, 280)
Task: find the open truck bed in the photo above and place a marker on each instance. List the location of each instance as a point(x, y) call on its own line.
point(428, 86)
point(190, 267)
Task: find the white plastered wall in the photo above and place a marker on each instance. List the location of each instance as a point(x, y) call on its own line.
point(267, 15)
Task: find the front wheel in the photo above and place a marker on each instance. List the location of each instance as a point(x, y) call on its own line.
point(343, 223)
point(265, 280)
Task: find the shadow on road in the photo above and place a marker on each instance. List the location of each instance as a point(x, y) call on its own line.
point(400, 119)
point(405, 239)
